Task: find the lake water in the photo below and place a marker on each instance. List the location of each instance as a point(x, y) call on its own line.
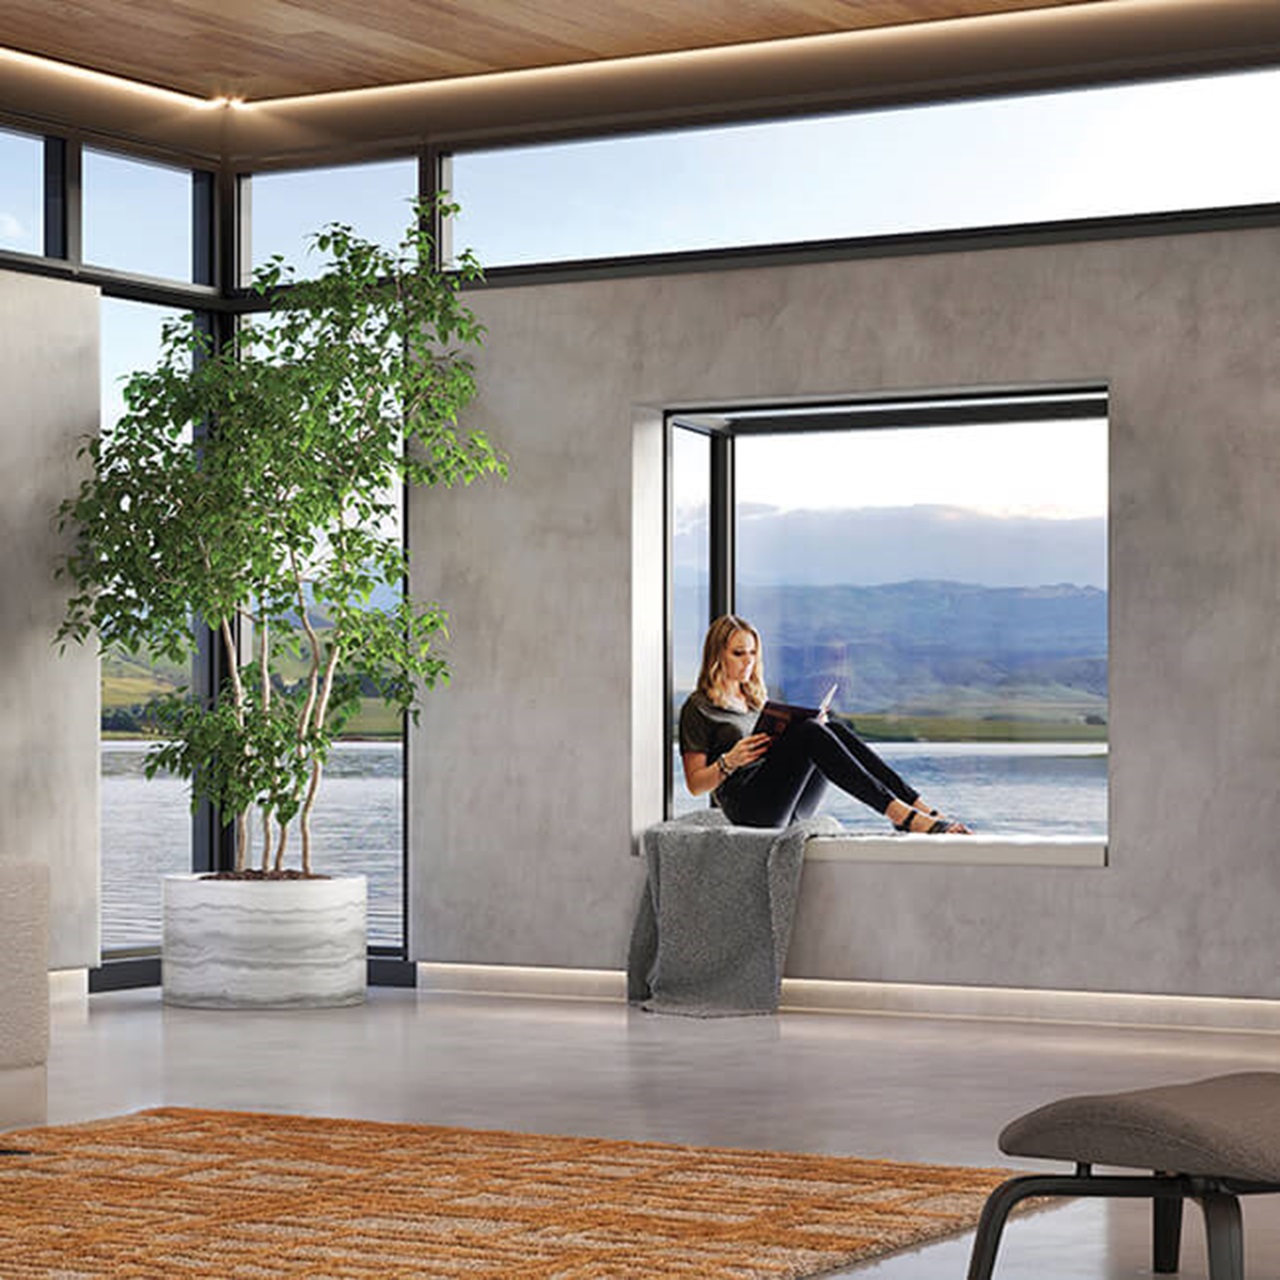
point(1002, 788)
point(146, 834)
point(1044, 788)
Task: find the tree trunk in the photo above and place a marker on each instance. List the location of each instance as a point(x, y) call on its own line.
point(237, 689)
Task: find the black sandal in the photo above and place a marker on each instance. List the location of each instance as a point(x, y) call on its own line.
point(939, 825)
point(947, 824)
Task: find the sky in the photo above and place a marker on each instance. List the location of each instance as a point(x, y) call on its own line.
point(1126, 149)
point(1049, 470)
point(1009, 504)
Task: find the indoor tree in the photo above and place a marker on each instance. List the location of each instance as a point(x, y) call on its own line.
point(251, 489)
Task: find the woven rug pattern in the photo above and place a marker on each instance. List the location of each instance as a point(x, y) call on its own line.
point(180, 1192)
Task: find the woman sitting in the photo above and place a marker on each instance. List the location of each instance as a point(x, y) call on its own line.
point(763, 781)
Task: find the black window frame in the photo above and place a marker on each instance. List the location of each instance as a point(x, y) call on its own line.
point(725, 424)
point(218, 294)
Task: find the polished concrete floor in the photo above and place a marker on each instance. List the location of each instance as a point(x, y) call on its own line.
point(874, 1085)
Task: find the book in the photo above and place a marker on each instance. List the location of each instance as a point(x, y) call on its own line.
point(777, 717)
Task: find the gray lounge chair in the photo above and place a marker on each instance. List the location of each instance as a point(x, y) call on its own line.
point(1211, 1141)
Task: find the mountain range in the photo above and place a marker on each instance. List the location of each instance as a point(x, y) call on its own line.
point(922, 647)
point(873, 545)
point(924, 610)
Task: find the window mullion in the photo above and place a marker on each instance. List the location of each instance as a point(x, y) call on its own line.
point(213, 843)
point(62, 200)
point(722, 521)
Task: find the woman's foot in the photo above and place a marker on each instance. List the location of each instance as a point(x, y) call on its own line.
point(929, 822)
point(925, 807)
point(954, 828)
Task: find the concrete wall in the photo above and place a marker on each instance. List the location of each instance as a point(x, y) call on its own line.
point(530, 774)
point(48, 703)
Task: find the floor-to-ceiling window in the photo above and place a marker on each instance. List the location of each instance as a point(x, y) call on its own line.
point(138, 218)
point(146, 232)
point(358, 823)
point(146, 822)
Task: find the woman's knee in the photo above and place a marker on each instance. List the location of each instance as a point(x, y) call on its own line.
point(842, 730)
point(810, 731)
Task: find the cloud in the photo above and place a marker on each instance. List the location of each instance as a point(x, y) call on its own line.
point(12, 231)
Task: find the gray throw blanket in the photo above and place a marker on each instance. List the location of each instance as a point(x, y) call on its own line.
point(711, 935)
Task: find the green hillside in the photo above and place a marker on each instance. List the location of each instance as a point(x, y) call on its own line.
point(130, 682)
point(1009, 728)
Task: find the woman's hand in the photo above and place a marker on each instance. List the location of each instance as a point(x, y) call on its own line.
point(748, 750)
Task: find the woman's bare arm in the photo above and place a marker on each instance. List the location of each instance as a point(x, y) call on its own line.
point(701, 777)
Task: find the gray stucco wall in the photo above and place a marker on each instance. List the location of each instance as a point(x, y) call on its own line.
point(48, 703)
point(531, 773)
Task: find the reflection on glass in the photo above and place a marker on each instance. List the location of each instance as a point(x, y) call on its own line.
point(1125, 149)
point(690, 579)
point(287, 208)
point(137, 215)
point(21, 193)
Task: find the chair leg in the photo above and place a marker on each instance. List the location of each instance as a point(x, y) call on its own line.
point(986, 1243)
point(1166, 1234)
point(1223, 1235)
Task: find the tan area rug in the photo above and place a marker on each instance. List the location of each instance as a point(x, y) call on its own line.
point(178, 1192)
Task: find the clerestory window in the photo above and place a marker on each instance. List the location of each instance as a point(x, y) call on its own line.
point(22, 201)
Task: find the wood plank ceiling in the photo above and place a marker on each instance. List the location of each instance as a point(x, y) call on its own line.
point(263, 49)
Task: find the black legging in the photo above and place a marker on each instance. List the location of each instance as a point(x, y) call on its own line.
point(788, 781)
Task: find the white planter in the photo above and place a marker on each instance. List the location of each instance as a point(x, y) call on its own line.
point(264, 944)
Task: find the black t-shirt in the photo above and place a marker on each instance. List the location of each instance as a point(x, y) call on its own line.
point(710, 729)
point(714, 730)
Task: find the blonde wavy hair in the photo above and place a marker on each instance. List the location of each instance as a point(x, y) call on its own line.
point(719, 633)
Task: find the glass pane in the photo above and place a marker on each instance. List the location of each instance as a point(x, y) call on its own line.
point(146, 823)
point(358, 824)
point(137, 216)
point(952, 581)
point(21, 193)
point(357, 827)
point(1032, 158)
point(690, 580)
point(287, 207)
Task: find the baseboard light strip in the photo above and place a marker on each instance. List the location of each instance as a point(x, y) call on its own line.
point(1099, 1008)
